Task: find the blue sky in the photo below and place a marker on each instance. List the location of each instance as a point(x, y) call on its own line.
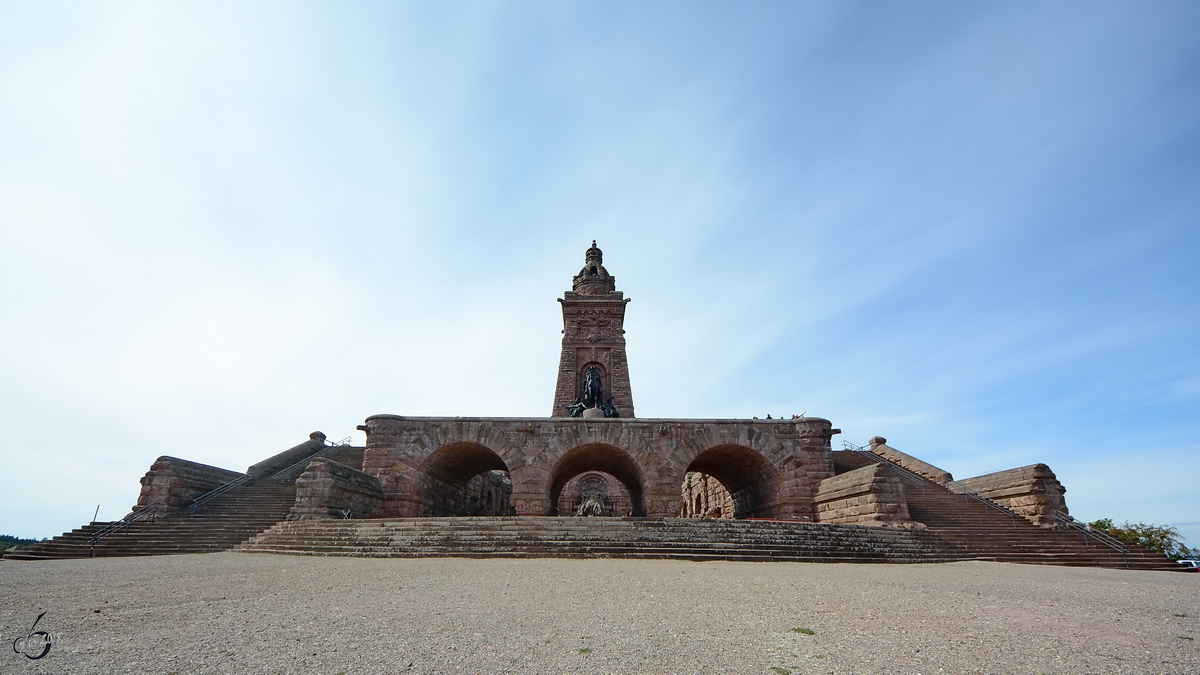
point(968, 227)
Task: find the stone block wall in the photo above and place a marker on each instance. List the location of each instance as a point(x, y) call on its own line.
point(1032, 491)
point(705, 497)
point(880, 447)
point(173, 483)
point(872, 495)
point(327, 489)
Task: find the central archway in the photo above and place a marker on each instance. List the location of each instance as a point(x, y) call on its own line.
point(464, 479)
point(744, 484)
point(597, 457)
point(608, 494)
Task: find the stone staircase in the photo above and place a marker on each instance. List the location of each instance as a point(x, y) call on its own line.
point(569, 537)
point(251, 518)
point(229, 520)
point(218, 525)
point(987, 533)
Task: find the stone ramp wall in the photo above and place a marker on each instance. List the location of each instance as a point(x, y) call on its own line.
point(1032, 491)
point(314, 444)
point(174, 482)
point(880, 447)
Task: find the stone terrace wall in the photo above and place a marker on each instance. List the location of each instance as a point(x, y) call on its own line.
point(174, 482)
point(1032, 491)
point(654, 454)
point(326, 489)
point(872, 495)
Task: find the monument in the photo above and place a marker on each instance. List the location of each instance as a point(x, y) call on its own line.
point(594, 461)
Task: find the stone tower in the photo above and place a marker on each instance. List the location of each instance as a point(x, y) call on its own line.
point(593, 336)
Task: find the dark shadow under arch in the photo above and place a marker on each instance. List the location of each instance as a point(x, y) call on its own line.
point(597, 457)
point(745, 474)
point(463, 479)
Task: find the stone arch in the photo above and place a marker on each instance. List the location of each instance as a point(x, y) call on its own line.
point(463, 479)
point(747, 476)
point(602, 458)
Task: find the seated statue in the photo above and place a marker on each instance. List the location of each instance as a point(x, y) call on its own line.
point(590, 507)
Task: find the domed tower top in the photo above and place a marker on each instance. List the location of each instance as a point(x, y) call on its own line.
point(593, 279)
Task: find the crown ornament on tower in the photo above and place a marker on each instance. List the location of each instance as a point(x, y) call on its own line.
point(593, 279)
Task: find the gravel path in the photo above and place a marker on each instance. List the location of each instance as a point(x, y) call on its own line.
point(243, 613)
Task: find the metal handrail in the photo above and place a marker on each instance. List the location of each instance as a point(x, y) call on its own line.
point(147, 511)
point(248, 479)
point(983, 499)
point(911, 475)
point(218, 491)
point(1086, 530)
point(282, 473)
point(924, 481)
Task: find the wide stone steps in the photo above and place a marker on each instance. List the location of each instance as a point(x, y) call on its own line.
point(228, 520)
point(990, 534)
point(531, 536)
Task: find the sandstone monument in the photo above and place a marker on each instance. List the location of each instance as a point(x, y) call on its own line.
point(595, 479)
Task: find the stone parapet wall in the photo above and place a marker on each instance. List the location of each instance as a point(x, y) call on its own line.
point(1032, 491)
point(173, 483)
point(880, 447)
point(327, 489)
point(872, 495)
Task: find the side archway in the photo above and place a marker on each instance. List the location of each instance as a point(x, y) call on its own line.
point(598, 457)
point(729, 481)
point(463, 479)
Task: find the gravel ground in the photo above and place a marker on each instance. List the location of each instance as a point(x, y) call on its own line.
point(243, 613)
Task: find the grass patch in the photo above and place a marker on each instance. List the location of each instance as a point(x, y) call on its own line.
point(1184, 637)
point(804, 631)
point(780, 671)
point(1181, 616)
point(585, 650)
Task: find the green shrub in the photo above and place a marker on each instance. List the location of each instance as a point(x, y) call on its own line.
point(1161, 538)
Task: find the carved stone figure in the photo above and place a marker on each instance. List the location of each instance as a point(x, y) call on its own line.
point(590, 507)
point(592, 387)
point(609, 410)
